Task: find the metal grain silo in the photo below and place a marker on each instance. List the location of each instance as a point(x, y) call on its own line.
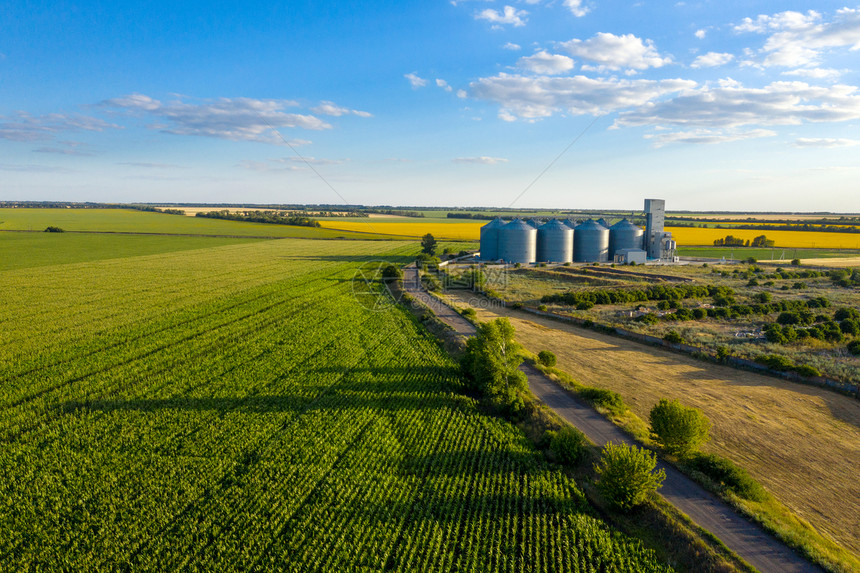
point(518, 242)
point(490, 239)
point(554, 242)
point(534, 223)
point(590, 243)
point(624, 235)
point(570, 223)
point(604, 222)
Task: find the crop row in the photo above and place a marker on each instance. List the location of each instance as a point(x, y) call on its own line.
point(267, 423)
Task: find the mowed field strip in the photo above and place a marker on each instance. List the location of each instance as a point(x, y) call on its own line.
point(801, 442)
point(239, 408)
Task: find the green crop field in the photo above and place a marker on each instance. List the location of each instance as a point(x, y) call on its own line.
point(776, 254)
point(132, 221)
point(23, 250)
point(236, 407)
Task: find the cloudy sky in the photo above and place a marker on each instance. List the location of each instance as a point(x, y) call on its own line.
point(711, 105)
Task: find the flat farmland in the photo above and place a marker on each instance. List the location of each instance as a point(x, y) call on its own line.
point(238, 407)
point(148, 222)
point(802, 443)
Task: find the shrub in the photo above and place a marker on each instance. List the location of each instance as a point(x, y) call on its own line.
point(392, 272)
point(469, 313)
point(729, 475)
point(610, 400)
point(850, 326)
point(679, 429)
point(569, 445)
point(584, 305)
point(53, 229)
point(649, 318)
point(807, 370)
point(847, 312)
point(854, 347)
point(546, 358)
point(775, 361)
point(543, 308)
point(673, 337)
point(517, 305)
point(627, 475)
point(795, 262)
point(723, 352)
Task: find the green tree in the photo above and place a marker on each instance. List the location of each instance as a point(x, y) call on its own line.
point(492, 363)
point(428, 244)
point(627, 475)
point(679, 429)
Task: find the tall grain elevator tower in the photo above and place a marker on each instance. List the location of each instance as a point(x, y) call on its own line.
point(658, 243)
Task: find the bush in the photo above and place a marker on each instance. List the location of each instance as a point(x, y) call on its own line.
point(392, 272)
point(775, 362)
point(846, 313)
point(727, 474)
point(585, 305)
point(568, 445)
point(627, 475)
point(854, 347)
point(807, 370)
point(53, 229)
point(546, 358)
point(610, 400)
point(649, 318)
point(723, 352)
point(679, 429)
point(673, 337)
point(543, 308)
point(795, 262)
point(469, 313)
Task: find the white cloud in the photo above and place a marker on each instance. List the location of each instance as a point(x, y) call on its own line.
point(731, 105)
point(25, 127)
point(508, 15)
point(264, 166)
point(147, 165)
point(711, 60)
point(815, 73)
point(511, 46)
point(706, 136)
point(617, 52)
point(825, 142)
point(330, 108)
point(532, 98)
point(35, 168)
point(462, 94)
point(443, 84)
point(546, 63)
point(238, 119)
point(417, 82)
point(576, 8)
point(700, 34)
point(797, 39)
point(483, 160)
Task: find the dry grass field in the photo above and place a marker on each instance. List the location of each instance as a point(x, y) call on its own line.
point(802, 443)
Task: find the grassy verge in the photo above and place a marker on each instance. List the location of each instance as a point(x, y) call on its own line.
point(678, 541)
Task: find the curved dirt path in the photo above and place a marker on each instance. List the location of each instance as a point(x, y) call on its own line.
point(748, 540)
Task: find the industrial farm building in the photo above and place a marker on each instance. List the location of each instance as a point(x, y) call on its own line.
point(590, 241)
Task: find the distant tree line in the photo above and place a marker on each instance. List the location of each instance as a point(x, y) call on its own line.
point(396, 212)
point(730, 241)
point(270, 217)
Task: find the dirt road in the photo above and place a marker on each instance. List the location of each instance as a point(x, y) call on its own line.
point(748, 540)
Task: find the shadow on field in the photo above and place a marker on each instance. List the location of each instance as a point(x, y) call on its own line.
point(390, 389)
point(843, 408)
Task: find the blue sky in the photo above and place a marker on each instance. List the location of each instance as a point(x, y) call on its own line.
point(539, 103)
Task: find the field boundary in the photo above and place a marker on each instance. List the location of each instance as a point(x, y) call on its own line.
point(846, 388)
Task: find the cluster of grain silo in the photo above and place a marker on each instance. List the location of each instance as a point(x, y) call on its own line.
point(557, 242)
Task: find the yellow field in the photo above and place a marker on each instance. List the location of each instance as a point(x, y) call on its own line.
point(688, 236)
point(685, 236)
point(457, 231)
